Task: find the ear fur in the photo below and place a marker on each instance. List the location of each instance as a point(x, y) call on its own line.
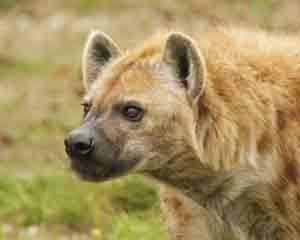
point(187, 62)
point(98, 51)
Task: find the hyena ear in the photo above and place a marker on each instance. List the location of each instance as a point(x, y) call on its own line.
point(98, 51)
point(187, 62)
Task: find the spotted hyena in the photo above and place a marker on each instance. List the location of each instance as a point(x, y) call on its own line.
point(215, 119)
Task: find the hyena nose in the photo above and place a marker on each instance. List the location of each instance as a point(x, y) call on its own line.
point(79, 143)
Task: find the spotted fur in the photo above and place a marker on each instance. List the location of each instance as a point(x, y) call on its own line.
point(225, 152)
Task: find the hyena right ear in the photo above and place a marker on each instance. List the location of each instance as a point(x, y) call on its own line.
point(99, 50)
point(184, 57)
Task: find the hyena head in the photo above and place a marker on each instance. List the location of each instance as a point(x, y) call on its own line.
point(140, 108)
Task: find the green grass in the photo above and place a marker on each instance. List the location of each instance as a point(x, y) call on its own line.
point(126, 209)
point(6, 4)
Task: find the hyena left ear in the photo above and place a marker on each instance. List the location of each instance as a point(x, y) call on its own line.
point(99, 50)
point(187, 62)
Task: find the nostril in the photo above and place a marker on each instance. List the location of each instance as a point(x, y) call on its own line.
point(84, 147)
point(79, 142)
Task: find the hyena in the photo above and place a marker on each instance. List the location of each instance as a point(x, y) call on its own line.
point(213, 118)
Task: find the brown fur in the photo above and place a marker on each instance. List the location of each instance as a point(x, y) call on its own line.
point(229, 164)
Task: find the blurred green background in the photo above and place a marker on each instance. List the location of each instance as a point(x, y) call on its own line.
point(40, 90)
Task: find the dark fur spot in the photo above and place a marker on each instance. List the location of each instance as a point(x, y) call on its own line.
point(292, 171)
point(281, 119)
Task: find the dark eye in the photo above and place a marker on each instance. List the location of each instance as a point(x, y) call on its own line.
point(86, 107)
point(133, 113)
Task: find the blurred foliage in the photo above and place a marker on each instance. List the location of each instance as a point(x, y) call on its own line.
point(43, 200)
point(6, 4)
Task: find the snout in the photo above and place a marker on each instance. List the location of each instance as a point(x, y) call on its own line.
point(79, 143)
point(94, 156)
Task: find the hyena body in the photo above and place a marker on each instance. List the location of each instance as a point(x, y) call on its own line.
point(214, 120)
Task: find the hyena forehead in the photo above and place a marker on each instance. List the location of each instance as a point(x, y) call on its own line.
point(144, 81)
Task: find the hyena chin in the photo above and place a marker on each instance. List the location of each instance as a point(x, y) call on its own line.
point(218, 127)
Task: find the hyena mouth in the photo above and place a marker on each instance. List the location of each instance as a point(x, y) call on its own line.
point(93, 171)
point(90, 172)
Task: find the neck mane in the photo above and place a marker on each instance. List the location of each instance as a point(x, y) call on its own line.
point(229, 197)
point(208, 187)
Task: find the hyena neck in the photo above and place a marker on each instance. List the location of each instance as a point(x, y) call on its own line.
point(207, 187)
point(230, 196)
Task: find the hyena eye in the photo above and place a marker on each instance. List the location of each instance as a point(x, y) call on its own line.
point(132, 113)
point(86, 107)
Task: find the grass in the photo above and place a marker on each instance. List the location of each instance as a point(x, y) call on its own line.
point(126, 209)
point(6, 4)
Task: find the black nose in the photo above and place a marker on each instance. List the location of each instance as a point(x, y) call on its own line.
point(79, 142)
